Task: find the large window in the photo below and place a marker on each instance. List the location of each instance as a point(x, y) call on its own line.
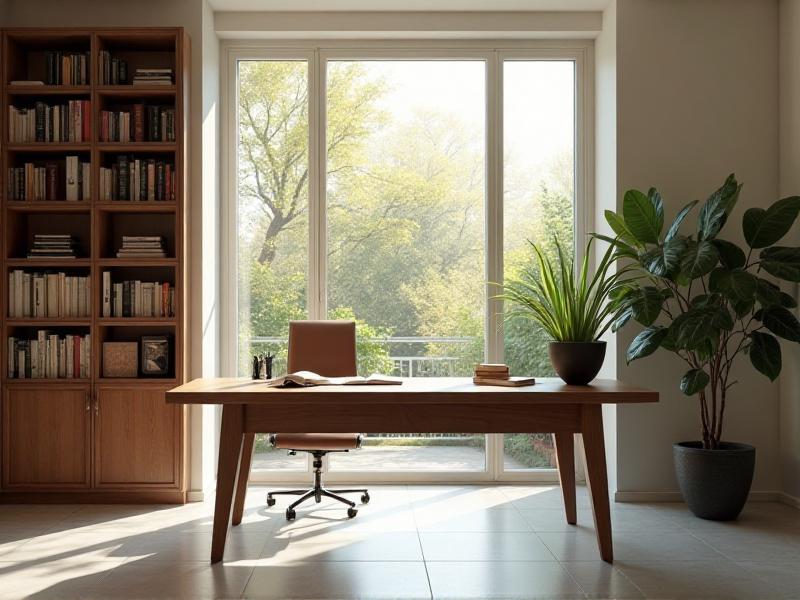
point(391, 189)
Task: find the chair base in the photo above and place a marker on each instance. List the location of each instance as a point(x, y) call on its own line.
point(318, 492)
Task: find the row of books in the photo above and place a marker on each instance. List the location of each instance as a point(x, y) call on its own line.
point(138, 180)
point(53, 245)
point(135, 298)
point(113, 71)
point(138, 246)
point(67, 68)
point(152, 76)
point(43, 122)
point(48, 294)
point(50, 181)
point(49, 356)
point(140, 124)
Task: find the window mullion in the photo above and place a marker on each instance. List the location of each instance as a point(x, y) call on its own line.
point(316, 189)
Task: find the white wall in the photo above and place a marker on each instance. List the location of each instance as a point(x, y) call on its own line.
point(197, 19)
point(789, 411)
point(696, 99)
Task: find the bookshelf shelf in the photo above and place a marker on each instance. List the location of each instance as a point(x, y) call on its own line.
point(98, 228)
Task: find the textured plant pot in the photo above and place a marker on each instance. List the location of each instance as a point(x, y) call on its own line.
point(714, 483)
point(577, 363)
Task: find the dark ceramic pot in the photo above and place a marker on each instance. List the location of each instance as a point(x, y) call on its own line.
point(577, 363)
point(714, 483)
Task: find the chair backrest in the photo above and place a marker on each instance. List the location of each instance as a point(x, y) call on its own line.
point(327, 348)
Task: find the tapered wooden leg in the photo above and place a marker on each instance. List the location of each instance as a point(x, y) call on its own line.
point(244, 475)
point(596, 476)
point(565, 456)
point(230, 450)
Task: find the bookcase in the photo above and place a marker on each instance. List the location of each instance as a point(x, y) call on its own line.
point(93, 148)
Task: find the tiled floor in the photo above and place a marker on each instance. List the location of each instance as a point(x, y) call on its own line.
point(409, 542)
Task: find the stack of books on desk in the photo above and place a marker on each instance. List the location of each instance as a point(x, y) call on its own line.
point(498, 374)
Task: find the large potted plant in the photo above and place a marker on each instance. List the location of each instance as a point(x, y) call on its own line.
point(574, 308)
point(709, 301)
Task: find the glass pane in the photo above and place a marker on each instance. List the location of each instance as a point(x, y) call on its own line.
point(538, 204)
point(272, 218)
point(405, 198)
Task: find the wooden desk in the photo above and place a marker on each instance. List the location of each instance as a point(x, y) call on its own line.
point(418, 405)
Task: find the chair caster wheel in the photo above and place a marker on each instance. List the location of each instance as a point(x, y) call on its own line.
point(352, 512)
point(365, 499)
point(270, 501)
point(290, 514)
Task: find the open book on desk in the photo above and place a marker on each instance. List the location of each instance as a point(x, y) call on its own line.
point(309, 379)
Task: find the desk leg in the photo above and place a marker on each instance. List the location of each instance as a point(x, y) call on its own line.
point(230, 449)
point(565, 457)
point(244, 475)
point(596, 476)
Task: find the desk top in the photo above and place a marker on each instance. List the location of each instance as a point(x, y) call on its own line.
point(438, 390)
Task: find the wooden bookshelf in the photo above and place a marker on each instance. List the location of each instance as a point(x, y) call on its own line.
point(94, 439)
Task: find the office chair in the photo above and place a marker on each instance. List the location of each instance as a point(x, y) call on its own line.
point(327, 348)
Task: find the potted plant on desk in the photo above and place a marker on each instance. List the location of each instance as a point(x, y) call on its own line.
point(574, 309)
point(708, 301)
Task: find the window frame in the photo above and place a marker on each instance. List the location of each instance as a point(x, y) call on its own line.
point(494, 53)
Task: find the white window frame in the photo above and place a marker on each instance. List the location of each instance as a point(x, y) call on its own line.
point(317, 53)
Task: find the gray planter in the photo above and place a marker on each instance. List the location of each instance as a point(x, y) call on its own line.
point(714, 483)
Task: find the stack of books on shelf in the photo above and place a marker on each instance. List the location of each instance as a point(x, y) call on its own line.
point(137, 298)
point(498, 374)
point(52, 246)
point(50, 123)
point(134, 179)
point(49, 356)
point(113, 71)
point(50, 181)
point(67, 68)
point(147, 76)
point(142, 246)
point(155, 124)
point(49, 294)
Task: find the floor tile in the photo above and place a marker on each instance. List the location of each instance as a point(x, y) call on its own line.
point(344, 546)
point(783, 575)
point(490, 580)
point(602, 580)
point(484, 546)
point(762, 545)
point(488, 519)
point(581, 545)
point(184, 547)
point(52, 578)
point(709, 580)
point(150, 579)
point(340, 580)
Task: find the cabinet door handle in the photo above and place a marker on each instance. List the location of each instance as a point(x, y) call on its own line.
point(96, 404)
point(88, 400)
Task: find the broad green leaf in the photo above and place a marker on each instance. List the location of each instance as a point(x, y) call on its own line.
point(767, 293)
point(714, 212)
point(622, 248)
point(782, 323)
point(694, 327)
point(699, 259)
point(676, 224)
point(788, 301)
point(781, 262)
point(722, 319)
point(617, 224)
point(646, 305)
point(765, 354)
point(764, 228)
point(694, 381)
point(641, 217)
point(663, 261)
point(730, 254)
point(658, 204)
point(743, 307)
point(645, 343)
point(735, 284)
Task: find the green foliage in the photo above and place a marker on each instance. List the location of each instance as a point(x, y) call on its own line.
point(702, 297)
point(569, 306)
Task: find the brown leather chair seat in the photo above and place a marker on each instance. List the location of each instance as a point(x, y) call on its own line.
point(316, 441)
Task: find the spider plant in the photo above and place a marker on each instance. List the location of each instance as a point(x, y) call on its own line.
point(569, 306)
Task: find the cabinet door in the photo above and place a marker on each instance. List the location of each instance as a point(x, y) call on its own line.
point(138, 438)
point(46, 437)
